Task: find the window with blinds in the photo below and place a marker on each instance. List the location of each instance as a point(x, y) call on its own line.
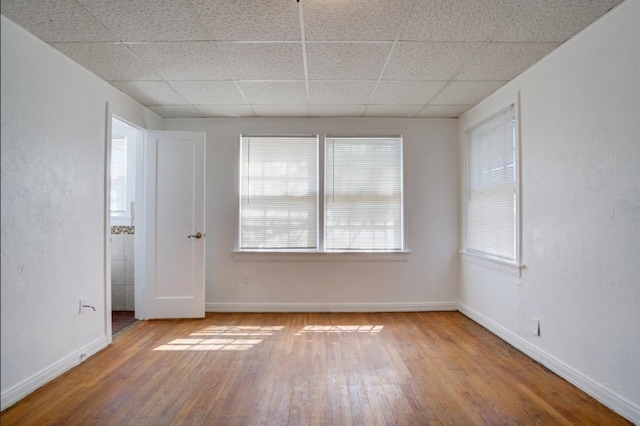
point(363, 194)
point(278, 193)
point(119, 175)
point(491, 204)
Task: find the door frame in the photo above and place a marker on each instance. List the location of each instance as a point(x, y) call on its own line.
point(138, 220)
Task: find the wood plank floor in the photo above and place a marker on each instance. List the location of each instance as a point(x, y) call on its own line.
point(309, 369)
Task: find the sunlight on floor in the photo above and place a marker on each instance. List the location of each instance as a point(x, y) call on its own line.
point(221, 338)
point(371, 329)
point(242, 338)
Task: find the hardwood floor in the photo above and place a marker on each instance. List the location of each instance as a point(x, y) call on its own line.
point(309, 369)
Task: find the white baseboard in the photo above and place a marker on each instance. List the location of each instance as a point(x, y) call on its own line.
point(331, 307)
point(44, 376)
point(611, 399)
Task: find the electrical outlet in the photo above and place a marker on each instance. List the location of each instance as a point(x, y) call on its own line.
point(246, 279)
point(535, 326)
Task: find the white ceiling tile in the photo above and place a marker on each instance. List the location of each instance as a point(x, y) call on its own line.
point(443, 111)
point(455, 20)
point(250, 20)
point(466, 92)
point(183, 60)
point(209, 92)
point(226, 110)
point(337, 110)
point(281, 110)
point(427, 61)
point(340, 92)
point(274, 92)
point(347, 61)
point(148, 20)
point(240, 58)
point(354, 19)
point(150, 92)
point(392, 110)
point(56, 21)
point(552, 20)
point(176, 111)
point(504, 61)
point(406, 92)
point(264, 61)
point(112, 62)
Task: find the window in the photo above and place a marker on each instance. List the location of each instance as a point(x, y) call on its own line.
point(278, 193)
point(119, 175)
point(282, 198)
point(363, 194)
point(491, 203)
point(125, 140)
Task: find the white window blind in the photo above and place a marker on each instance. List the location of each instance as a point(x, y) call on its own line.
point(278, 193)
point(119, 175)
point(363, 194)
point(491, 207)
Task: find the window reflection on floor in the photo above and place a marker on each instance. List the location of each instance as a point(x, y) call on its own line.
point(221, 338)
point(372, 329)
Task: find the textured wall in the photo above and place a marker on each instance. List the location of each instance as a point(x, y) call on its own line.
point(580, 155)
point(53, 208)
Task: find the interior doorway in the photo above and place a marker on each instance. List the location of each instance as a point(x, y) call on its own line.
point(126, 140)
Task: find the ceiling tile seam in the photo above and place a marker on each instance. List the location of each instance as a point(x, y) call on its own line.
point(120, 42)
point(304, 56)
point(155, 72)
point(224, 60)
point(510, 15)
point(233, 78)
point(98, 21)
point(393, 46)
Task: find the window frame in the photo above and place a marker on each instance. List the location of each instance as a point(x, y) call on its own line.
point(509, 267)
point(320, 254)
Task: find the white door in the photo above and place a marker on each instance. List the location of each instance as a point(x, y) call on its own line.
point(174, 233)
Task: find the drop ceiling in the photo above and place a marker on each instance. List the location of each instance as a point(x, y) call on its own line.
point(313, 58)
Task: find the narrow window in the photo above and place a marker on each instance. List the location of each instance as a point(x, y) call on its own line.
point(491, 204)
point(119, 175)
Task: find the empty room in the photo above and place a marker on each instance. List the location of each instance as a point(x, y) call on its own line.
point(320, 212)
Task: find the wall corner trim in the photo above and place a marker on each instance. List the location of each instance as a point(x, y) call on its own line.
point(611, 399)
point(44, 376)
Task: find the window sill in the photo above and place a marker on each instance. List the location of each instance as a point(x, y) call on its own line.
point(284, 256)
point(510, 268)
point(121, 220)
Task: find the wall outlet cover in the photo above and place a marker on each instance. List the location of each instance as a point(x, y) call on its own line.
point(535, 326)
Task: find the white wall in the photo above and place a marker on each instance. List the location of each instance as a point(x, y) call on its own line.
point(53, 209)
point(427, 280)
point(580, 154)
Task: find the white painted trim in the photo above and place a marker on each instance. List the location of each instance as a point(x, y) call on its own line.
point(284, 256)
point(331, 307)
point(495, 263)
point(44, 376)
point(611, 399)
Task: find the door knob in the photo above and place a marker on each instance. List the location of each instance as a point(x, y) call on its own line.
point(197, 236)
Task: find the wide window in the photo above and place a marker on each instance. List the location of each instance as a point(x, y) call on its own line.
point(278, 193)
point(491, 204)
point(363, 194)
point(283, 199)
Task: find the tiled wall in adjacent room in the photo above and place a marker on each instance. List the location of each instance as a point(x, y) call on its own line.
point(122, 268)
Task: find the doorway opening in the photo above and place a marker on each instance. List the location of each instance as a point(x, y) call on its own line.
point(125, 142)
